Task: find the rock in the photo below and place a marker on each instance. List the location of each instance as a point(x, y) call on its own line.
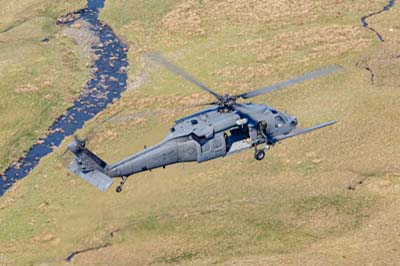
point(123, 69)
point(311, 154)
point(46, 83)
point(76, 26)
point(317, 161)
point(43, 206)
point(44, 238)
point(17, 166)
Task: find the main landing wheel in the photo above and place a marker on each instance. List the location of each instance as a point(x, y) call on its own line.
point(259, 155)
point(119, 189)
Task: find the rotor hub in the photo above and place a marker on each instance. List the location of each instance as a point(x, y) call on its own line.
point(227, 101)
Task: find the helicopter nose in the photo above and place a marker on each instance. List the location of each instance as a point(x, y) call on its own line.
point(293, 124)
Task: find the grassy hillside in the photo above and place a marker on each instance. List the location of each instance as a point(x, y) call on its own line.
point(327, 198)
point(38, 80)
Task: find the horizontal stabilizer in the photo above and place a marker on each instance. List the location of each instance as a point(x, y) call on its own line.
point(297, 132)
point(94, 177)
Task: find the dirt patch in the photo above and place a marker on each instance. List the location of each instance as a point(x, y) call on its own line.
point(40, 83)
point(321, 42)
point(27, 89)
point(46, 238)
point(14, 194)
point(81, 32)
point(142, 75)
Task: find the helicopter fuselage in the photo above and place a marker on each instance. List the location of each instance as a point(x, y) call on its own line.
point(207, 135)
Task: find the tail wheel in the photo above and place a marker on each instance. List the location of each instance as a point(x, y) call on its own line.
point(123, 180)
point(259, 155)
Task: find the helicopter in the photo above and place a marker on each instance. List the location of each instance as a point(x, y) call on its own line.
point(224, 128)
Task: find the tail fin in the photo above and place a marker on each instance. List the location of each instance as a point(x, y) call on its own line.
point(89, 166)
point(297, 132)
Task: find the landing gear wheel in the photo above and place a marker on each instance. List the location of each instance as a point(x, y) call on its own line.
point(259, 155)
point(121, 184)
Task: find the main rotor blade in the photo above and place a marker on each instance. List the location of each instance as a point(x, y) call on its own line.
point(162, 61)
point(205, 104)
point(311, 75)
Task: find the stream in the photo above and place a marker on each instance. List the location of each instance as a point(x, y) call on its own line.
point(365, 24)
point(75, 253)
point(105, 85)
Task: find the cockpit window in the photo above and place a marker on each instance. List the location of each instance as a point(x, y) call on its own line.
point(194, 122)
point(279, 121)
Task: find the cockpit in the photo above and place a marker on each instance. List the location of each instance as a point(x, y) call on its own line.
point(279, 121)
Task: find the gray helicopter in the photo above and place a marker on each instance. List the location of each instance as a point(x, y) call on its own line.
point(224, 128)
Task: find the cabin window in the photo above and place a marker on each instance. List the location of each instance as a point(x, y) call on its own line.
point(194, 122)
point(279, 121)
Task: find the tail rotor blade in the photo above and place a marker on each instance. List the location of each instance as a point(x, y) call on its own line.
point(162, 61)
point(311, 75)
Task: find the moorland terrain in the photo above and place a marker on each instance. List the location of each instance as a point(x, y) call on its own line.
point(327, 198)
